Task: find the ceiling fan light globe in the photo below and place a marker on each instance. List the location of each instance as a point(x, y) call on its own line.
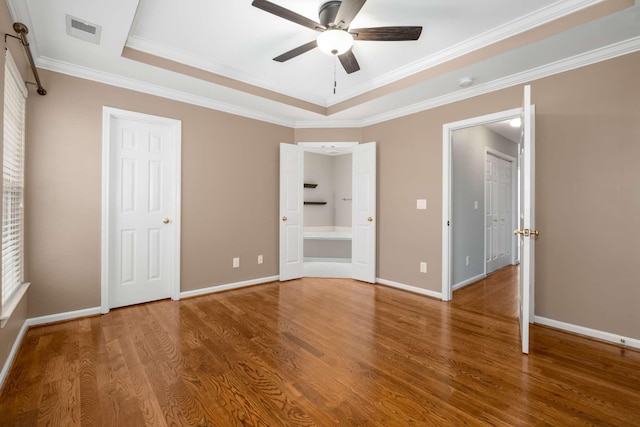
point(335, 42)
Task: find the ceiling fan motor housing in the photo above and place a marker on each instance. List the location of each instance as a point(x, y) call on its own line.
point(328, 12)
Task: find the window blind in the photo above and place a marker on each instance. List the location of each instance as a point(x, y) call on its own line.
point(15, 102)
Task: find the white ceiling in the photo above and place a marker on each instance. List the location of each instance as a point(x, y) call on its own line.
point(231, 38)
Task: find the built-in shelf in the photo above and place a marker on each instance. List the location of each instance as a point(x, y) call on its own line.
point(313, 203)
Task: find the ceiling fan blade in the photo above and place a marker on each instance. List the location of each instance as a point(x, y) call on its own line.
point(297, 51)
point(349, 62)
point(348, 10)
point(387, 33)
point(287, 14)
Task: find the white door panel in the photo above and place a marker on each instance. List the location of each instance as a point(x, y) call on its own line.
point(363, 245)
point(527, 218)
point(291, 211)
point(498, 212)
point(144, 183)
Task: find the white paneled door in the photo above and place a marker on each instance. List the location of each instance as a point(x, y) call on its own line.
point(498, 206)
point(291, 211)
point(363, 245)
point(527, 230)
point(143, 209)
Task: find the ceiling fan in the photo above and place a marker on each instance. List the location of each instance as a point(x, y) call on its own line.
point(336, 38)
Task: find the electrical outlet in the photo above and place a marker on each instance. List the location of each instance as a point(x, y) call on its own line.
point(466, 260)
point(423, 267)
point(260, 259)
point(236, 262)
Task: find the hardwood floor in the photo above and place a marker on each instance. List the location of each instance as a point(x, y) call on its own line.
point(317, 352)
point(497, 294)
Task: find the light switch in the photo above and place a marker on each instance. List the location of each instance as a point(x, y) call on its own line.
point(475, 205)
point(421, 204)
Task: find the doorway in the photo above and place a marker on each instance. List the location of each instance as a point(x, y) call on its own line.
point(468, 239)
point(483, 200)
point(328, 212)
point(526, 232)
point(328, 230)
point(140, 208)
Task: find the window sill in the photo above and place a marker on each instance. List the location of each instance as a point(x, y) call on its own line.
point(10, 306)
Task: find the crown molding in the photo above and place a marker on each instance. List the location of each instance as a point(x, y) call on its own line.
point(567, 64)
point(153, 89)
point(577, 61)
point(527, 22)
point(177, 55)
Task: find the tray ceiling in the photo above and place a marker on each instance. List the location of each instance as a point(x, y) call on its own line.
point(219, 53)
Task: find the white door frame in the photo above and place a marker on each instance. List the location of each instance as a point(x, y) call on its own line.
point(514, 199)
point(341, 147)
point(447, 130)
point(110, 114)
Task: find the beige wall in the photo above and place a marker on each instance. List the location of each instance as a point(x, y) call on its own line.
point(328, 135)
point(229, 192)
point(588, 203)
point(9, 333)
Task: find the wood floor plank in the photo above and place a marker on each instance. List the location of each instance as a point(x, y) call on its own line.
point(319, 352)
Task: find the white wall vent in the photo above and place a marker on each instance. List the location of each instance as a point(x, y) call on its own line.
point(83, 30)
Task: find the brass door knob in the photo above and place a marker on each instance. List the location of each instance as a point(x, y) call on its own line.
point(166, 221)
point(527, 233)
point(284, 218)
point(370, 219)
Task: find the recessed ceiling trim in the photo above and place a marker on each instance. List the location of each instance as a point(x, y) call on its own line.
point(156, 90)
point(176, 55)
point(539, 32)
point(525, 23)
point(561, 66)
point(597, 55)
point(198, 73)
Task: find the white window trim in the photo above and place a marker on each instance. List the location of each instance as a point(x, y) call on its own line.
point(7, 309)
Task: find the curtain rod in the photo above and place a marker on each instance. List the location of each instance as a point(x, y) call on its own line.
point(22, 31)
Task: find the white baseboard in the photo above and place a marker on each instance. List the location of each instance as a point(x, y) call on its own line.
point(468, 282)
point(69, 315)
point(34, 321)
point(12, 354)
point(410, 288)
point(229, 286)
point(588, 332)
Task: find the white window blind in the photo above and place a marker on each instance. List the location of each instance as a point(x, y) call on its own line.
point(15, 102)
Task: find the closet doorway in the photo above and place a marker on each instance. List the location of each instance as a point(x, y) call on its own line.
point(328, 210)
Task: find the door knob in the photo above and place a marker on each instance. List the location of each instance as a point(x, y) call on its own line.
point(370, 219)
point(165, 221)
point(284, 218)
point(527, 233)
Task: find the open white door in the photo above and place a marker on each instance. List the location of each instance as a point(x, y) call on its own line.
point(291, 211)
point(363, 244)
point(527, 230)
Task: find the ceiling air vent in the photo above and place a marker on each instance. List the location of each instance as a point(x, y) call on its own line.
point(83, 30)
